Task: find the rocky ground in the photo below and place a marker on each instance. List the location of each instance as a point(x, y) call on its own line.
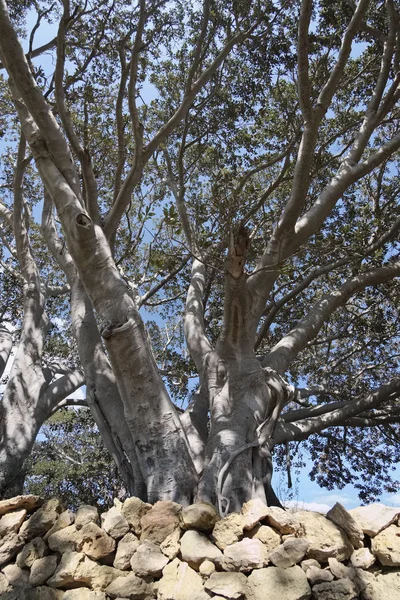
point(138, 551)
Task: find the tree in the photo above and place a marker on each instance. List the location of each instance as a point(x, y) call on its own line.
point(244, 158)
point(71, 463)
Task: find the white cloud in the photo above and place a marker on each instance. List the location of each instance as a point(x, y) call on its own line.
point(331, 499)
point(314, 506)
point(392, 499)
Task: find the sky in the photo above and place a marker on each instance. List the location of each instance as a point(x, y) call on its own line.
point(307, 493)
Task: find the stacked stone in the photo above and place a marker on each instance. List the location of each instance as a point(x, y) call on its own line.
point(137, 551)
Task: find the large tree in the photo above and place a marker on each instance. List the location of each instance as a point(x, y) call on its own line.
point(231, 167)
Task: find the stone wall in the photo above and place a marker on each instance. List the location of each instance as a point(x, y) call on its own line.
point(167, 552)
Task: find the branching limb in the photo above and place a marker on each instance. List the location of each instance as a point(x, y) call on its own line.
point(6, 342)
point(283, 353)
point(302, 429)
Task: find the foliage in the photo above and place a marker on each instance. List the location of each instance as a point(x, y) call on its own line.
point(69, 461)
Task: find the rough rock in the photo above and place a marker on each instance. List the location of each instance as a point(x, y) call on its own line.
point(148, 560)
point(291, 552)
point(171, 546)
point(228, 585)
point(75, 568)
point(340, 516)
point(67, 539)
point(196, 547)
point(309, 562)
point(253, 512)
point(283, 584)
point(201, 516)
point(342, 589)
point(133, 510)
point(362, 558)
point(96, 543)
point(316, 575)
point(66, 518)
point(247, 554)
point(339, 570)
point(160, 521)
point(228, 530)
point(385, 586)
point(283, 521)
point(42, 520)
point(16, 576)
point(125, 550)
point(3, 583)
point(131, 587)
point(181, 582)
point(268, 536)
point(11, 522)
point(35, 549)
point(10, 544)
point(29, 503)
point(374, 518)
point(42, 569)
point(114, 523)
point(207, 568)
point(326, 539)
point(386, 546)
point(86, 514)
point(48, 593)
point(83, 594)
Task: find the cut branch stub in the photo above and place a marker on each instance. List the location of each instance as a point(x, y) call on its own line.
point(238, 248)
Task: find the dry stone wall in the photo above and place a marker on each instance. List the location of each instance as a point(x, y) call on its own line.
point(137, 551)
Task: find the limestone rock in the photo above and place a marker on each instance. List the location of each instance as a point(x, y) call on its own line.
point(340, 516)
point(36, 548)
point(171, 546)
point(268, 536)
point(114, 523)
point(67, 539)
point(201, 516)
point(342, 589)
point(375, 517)
point(207, 568)
point(148, 560)
point(385, 586)
point(228, 585)
point(181, 582)
point(42, 569)
point(83, 594)
point(28, 503)
point(362, 558)
point(196, 547)
point(291, 552)
point(131, 587)
point(66, 518)
point(86, 514)
point(160, 521)
point(228, 530)
point(326, 539)
point(48, 593)
point(316, 575)
point(283, 521)
point(42, 520)
point(77, 569)
point(253, 512)
point(309, 562)
point(3, 583)
point(133, 510)
point(16, 576)
point(282, 584)
point(247, 554)
point(339, 570)
point(125, 550)
point(96, 543)
point(11, 522)
point(386, 546)
point(10, 544)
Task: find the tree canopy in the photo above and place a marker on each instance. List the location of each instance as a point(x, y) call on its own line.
point(200, 220)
